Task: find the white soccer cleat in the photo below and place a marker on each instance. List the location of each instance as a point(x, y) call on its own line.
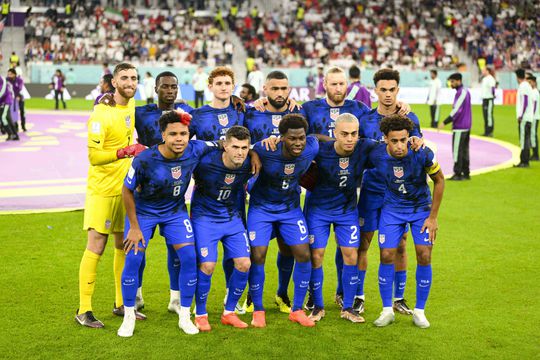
point(174, 306)
point(185, 324)
point(128, 325)
point(385, 319)
point(419, 319)
point(239, 309)
point(139, 303)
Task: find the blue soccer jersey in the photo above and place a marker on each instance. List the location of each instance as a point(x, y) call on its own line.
point(159, 184)
point(370, 128)
point(406, 179)
point(147, 122)
point(338, 176)
point(217, 188)
point(211, 124)
point(277, 188)
point(263, 124)
point(322, 117)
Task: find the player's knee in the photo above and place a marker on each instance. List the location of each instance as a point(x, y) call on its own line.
point(242, 264)
point(423, 257)
point(258, 256)
point(302, 256)
point(365, 241)
point(388, 256)
point(133, 262)
point(207, 267)
point(188, 257)
point(402, 250)
point(317, 257)
point(350, 256)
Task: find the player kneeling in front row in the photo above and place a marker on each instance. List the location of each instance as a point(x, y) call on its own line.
point(219, 179)
point(153, 194)
point(407, 200)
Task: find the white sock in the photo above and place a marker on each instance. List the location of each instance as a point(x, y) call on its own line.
point(175, 296)
point(129, 311)
point(363, 297)
point(419, 311)
point(387, 309)
point(184, 311)
point(227, 312)
point(139, 292)
point(397, 299)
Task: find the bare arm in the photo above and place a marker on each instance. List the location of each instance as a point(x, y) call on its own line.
point(134, 235)
point(431, 224)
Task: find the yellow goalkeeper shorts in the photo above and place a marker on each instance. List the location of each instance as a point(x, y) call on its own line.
point(105, 214)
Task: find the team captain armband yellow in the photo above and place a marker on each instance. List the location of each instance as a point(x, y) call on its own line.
point(433, 169)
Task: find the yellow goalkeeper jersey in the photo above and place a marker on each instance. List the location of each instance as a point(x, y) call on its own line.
point(109, 129)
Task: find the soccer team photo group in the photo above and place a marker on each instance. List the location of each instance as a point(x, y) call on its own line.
point(288, 164)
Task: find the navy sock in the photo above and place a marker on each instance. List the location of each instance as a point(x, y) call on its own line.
point(350, 283)
point(315, 284)
point(237, 284)
point(361, 279)
point(173, 266)
point(228, 267)
point(141, 269)
point(203, 288)
point(400, 278)
point(256, 285)
point(339, 270)
point(424, 278)
point(301, 275)
point(285, 265)
point(187, 280)
point(130, 277)
point(386, 280)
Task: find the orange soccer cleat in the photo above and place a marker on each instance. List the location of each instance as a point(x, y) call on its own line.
point(202, 323)
point(233, 320)
point(259, 319)
point(300, 317)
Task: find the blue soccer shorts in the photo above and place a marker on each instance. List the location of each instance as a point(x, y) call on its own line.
point(175, 229)
point(208, 233)
point(394, 224)
point(345, 227)
point(369, 210)
point(291, 226)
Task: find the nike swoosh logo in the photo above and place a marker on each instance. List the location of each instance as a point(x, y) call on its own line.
point(90, 283)
point(96, 141)
point(352, 242)
point(303, 238)
point(423, 285)
point(129, 181)
point(189, 236)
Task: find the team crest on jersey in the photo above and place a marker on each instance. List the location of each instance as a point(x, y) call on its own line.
point(289, 169)
point(334, 113)
point(223, 119)
point(382, 238)
point(344, 163)
point(229, 179)
point(128, 121)
point(204, 252)
point(276, 120)
point(398, 171)
point(252, 235)
point(176, 172)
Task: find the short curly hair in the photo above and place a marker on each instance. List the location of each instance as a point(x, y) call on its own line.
point(220, 71)
point(395, 123)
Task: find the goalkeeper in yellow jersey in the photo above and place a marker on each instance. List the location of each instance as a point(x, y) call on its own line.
point(110, 147)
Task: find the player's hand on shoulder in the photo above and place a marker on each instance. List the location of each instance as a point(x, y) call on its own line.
point(417, 143)
point(130, 151)
point(260, 103)
point(107, 99)
point(403, 107)
point(132, 240)
point(430, 226)
point(270, 143)
point(238, 103)
point(256, 163)
point(293, 104)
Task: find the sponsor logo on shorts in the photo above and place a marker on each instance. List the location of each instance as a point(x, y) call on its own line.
point(176, 172)
point(382, 238)
point(344, 163)
point(354, 241)
point(311, 239)
point(229, 179)
point(276, 119)
point(128, 121)
point(204, 252)
point(334, 113)
point(252, 235)
point(398, 171)
point(223, 119)
point(107, 224)
point(289, 169)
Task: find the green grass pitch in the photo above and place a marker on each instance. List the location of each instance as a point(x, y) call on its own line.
point(483, 304)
